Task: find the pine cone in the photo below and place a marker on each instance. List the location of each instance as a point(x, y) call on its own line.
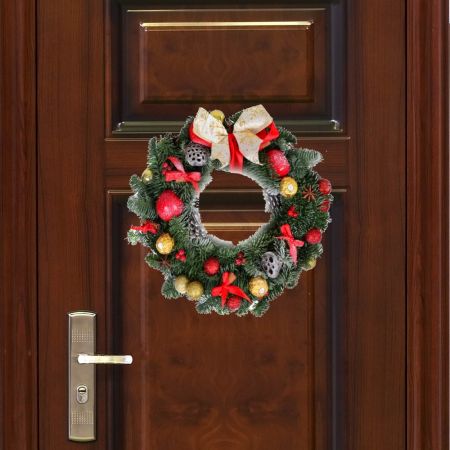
point(273, 202)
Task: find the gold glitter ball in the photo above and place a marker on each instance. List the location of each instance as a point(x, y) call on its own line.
point(288, 187)
point(310, 264)
point(194, 290)
point(147, 176)
point(218, 114)
point(165, 243)
point(180, 284)
point(258, 287)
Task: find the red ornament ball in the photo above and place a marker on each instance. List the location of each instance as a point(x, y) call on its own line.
point(233, 303)
point(168, 205)
point(325, 206)
point(211, 266)
point(279, 162)
point(313, 236)
point(324, 186)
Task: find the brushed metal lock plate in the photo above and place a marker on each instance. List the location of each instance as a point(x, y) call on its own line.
point(81, 403)
point(82, 363)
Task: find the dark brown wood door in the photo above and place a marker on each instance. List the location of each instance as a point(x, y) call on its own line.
point(325, 367)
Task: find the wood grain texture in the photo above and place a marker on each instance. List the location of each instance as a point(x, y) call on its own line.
point(428, 196)
point(220, 63)
point(210, 382)
point(18, 320)
point(126, 156)
point(376, 300)
point(71, 199)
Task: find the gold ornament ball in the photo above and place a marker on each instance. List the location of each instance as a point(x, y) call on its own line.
point(288, 187)
point(165, 243)
point(194, 290)
point(310, 264)
point(258, 287)
point(147, 176)
point(218, 114)
point(180, 284)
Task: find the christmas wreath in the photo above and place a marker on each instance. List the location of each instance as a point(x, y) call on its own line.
point(216, 274)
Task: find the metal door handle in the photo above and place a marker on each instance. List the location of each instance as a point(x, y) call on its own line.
point(82, 363)
point(83, 358)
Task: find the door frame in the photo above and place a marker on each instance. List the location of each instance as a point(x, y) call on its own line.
point(427, 226)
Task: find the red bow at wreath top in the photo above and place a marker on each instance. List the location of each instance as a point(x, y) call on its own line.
point(226, 288)
point(181, 175)
point(252, 131)
point(286, 234)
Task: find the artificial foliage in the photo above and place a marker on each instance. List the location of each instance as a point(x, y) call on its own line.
point(217, 275)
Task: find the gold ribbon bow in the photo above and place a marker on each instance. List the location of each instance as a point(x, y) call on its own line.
point(252, 121)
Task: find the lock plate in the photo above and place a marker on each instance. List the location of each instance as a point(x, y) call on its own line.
point(81, 395)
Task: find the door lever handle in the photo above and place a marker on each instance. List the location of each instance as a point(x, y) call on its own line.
point(84, 358)
point(82, 363)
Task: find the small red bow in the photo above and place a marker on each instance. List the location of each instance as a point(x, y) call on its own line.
point(225, 288)
point(292, 212)
point(181, 174)
point(290, 239)
point(147, 227)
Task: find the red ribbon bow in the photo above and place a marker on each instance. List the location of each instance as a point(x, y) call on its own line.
point(290, 239)
point(181, 175)
point(147, 227)
point(236, 157)
point(225, 288)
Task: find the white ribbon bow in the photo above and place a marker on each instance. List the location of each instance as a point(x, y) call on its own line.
point(251, 121)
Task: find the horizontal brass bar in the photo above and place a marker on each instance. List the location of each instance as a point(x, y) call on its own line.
point(275, 23)
point(241, 226)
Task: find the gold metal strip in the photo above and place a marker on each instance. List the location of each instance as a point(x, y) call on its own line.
point(241, 226)
point(287, 23)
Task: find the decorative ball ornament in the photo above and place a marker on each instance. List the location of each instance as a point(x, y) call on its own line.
point(288, 187)
point(233, 303)
point(182, 165)
point(324, 186)
point(194, 290)
point(258, 287)
point(310, 264)
point(279, 163)
point(218, 114)
point(325, 206)
point(147, 176)
point(180, 284)
point(271, 264)
point(211, 266)
point(169, 205)
point(165, 243)
point(197, 155)
point(313, 236)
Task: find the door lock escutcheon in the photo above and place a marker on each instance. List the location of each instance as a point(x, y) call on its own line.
point(82, 362)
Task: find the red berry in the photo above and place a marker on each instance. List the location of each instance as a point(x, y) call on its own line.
point(240, 260)
point(324, 186)
point(211, 266)
point(313, 236)
point(233, 303)
point(168, 205)
point(181, 255)
point(325, 206)
point(279, 162)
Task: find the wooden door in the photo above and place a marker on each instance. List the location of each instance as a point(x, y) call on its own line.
point(325, 368)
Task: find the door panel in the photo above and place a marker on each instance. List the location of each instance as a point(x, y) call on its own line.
point(210, 381)
point(324, 368)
